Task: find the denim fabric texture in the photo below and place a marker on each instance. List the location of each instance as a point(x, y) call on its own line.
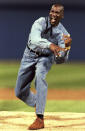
point(33, 66)
point(36, 67)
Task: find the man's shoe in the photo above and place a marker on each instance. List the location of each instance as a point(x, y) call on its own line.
point(37, 124)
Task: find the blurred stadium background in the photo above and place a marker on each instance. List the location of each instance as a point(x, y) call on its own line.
point(16, 19)
point(17, 16)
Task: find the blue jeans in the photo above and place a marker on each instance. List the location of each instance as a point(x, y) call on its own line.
point(33, 66)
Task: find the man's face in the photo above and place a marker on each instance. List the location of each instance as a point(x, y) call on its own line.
point(56, 14)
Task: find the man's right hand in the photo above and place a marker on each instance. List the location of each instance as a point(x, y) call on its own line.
point(56, 49)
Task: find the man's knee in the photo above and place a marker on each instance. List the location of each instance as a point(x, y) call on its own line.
point(17, 93)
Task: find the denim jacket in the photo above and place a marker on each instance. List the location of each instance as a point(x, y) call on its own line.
point(40, 39)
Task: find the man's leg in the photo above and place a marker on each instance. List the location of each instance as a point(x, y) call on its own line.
point(42, 68)
point(24, 79)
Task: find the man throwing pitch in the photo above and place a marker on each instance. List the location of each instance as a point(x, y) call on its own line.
point(48, 42)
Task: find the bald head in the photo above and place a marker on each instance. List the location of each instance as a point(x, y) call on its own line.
point(58, 5)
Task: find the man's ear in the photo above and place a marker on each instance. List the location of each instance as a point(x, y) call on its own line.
point(62, 15)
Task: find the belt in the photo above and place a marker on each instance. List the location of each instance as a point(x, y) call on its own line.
point(37, 53)
point(31, 49)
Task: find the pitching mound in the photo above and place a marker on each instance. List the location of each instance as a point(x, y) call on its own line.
point(19, 121)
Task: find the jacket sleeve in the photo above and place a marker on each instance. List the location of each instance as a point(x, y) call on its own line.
point(61, 43)
point(35, 34)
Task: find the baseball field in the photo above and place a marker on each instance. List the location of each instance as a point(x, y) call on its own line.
point(65, 107)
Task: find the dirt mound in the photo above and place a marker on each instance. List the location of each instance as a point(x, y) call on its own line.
point(15, 121)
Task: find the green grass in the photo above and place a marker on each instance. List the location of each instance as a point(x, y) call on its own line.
point(70, 75)
point(8, 74)
point(51, 106)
